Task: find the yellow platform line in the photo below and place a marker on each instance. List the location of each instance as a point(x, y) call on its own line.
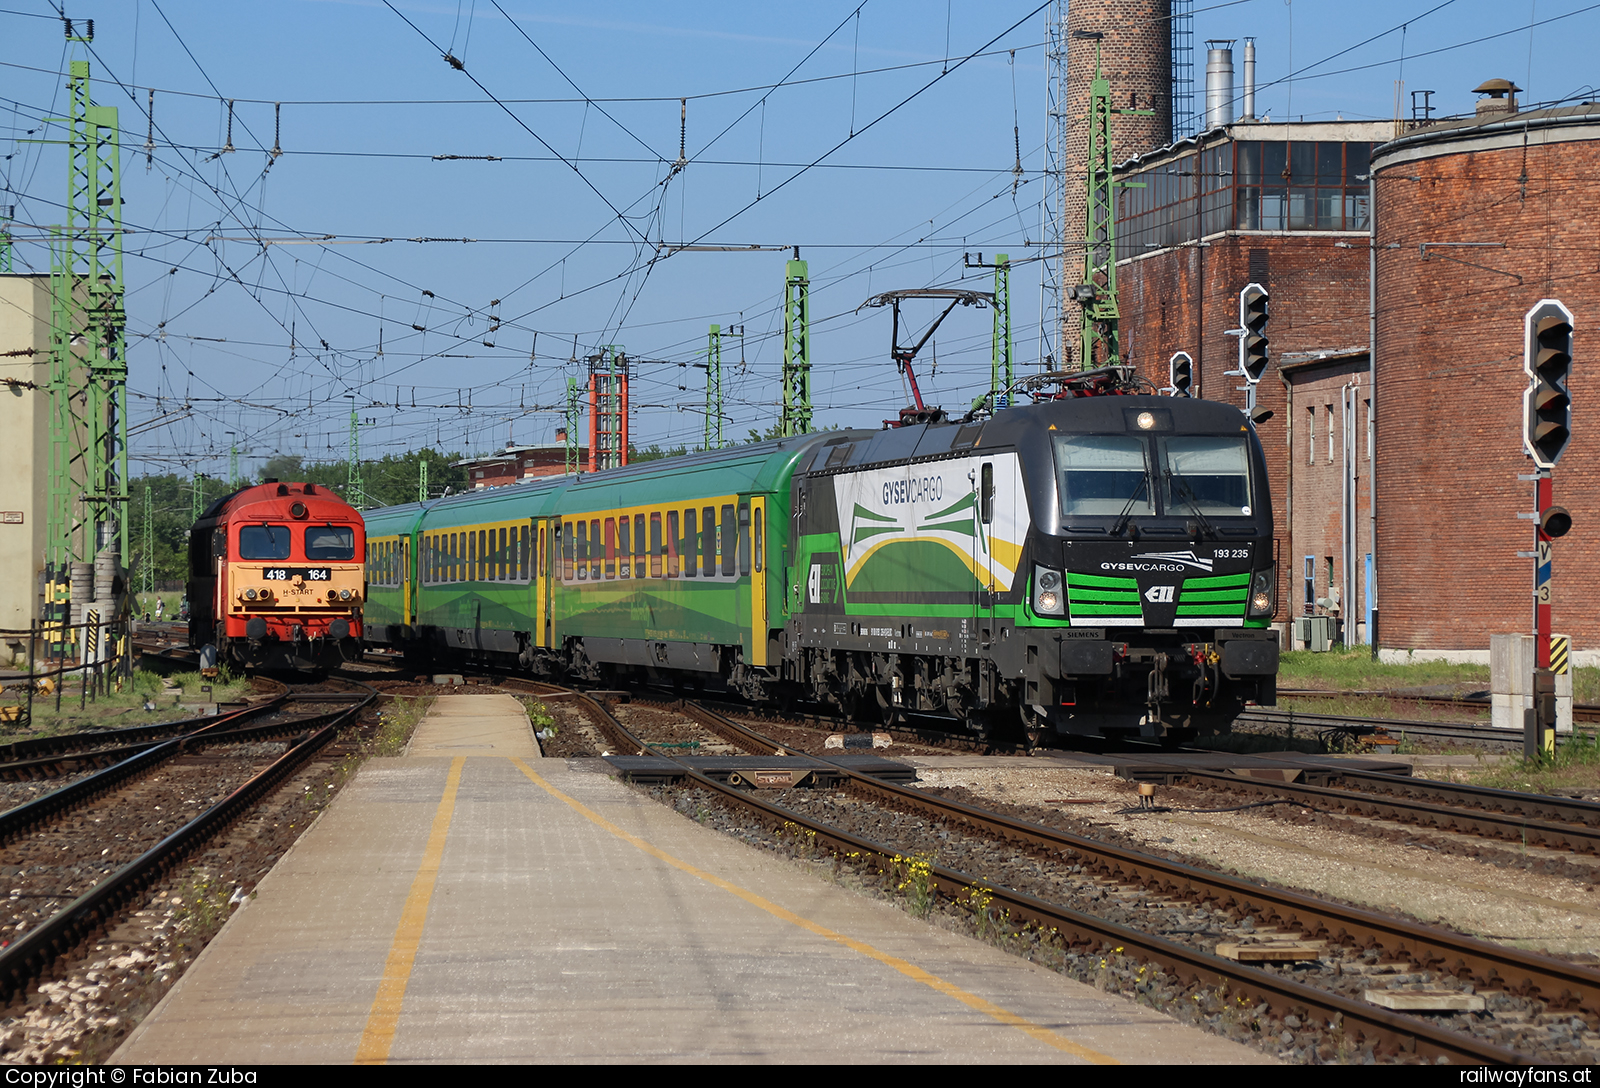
point(385, 1015)
point(910, 970)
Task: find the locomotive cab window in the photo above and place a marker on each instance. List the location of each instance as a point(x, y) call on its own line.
point(1106, 475)
point(270, 542)
point(1207, 475)
point(330, 542)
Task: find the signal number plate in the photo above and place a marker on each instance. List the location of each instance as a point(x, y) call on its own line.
point(288, 574)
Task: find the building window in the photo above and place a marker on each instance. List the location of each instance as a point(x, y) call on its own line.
point(1330, 434)
point(1311, 584)
point(1244, 185)
point(1311, 435)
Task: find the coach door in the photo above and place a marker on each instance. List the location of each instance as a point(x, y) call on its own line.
point(407, 597)
point(754, 538)
point(543, 558)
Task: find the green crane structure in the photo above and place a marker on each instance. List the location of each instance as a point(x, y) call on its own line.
point(796, 349)
point(714, 389)
point(1096, 295)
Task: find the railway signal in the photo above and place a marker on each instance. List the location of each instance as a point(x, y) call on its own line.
point(1547, 359)
point(1253, 323)
point(1182, 368)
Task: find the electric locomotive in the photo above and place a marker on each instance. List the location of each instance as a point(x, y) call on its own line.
point(276, 578)
point(1095, 565)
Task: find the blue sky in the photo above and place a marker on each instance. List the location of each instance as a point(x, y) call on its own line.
point(913, 150)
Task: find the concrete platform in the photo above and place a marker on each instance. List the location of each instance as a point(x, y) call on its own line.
point(456, 907)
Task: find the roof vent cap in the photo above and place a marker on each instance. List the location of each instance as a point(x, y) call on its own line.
point(1502, 96)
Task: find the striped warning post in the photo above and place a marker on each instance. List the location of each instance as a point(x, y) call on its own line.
point(1560, 653)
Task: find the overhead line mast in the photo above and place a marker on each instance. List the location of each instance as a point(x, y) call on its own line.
point(1097, 293)
point(88, 452)
point(796, 349)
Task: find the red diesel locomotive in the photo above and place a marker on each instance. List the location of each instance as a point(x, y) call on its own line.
point(276, 578)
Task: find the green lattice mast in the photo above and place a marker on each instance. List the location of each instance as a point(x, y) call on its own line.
point(796, 349)
point(1000, 376)
point(88, 361)
point(714, 389)
point(1097, 295)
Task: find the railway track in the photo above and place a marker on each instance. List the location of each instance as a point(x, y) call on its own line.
point(102, 840)
point(1556, 823)
point(1549, 984)
point(1581, 712)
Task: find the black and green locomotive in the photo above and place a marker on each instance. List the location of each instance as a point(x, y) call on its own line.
point(1089, 565)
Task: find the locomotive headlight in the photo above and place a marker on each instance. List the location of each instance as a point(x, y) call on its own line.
point(1047, 597)
point(249, 594)
point(1145, 421)
point(1264, 593)
point(344, 594)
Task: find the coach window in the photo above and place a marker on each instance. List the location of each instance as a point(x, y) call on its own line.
point(611, 548)
point(690, 548)
point(485, 547)
point(655, 545)
point(639, 543)
point(708, 541)
point(458, 557)
point(264, 542)
point(744, 538)
point(524, 559)
point(624, 547)
point(596, 555)
point(581, 543)
point(472, 557)
point(730, 540)
point(672, 544)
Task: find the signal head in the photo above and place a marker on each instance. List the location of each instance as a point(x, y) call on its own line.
point(1253, 357)
point(1547, 359)
point(1182, 373)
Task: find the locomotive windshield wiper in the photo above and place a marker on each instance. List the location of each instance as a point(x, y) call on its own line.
point(1127, 510)
point(1194, 503)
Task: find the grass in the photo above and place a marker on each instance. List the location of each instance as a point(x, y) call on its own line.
point(538, 714)
point(124, 704)
point(1352, 669)
point(396, 723)
point(1576, 764)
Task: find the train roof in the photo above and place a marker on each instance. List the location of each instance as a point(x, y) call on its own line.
point(271, 491)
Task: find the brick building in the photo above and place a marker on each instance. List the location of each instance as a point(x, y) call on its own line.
point(1286, 206)
point(1477, 220)
point(518, 463)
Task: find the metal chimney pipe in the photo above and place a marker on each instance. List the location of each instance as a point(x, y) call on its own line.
point(1249, 113)
point(1219, 83)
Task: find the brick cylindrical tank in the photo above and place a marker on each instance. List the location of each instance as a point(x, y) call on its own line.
point(1477, 221)
point(1136, 56)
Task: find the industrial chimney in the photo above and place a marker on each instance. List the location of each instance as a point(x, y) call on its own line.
point(1219, 83)
point(1249, 112)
